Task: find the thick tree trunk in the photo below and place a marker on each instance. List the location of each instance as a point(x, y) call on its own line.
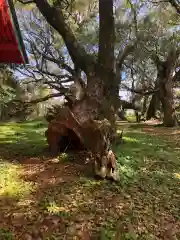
point(97, 104)
point(78, 126)
point(94, 135)
point(106, 59)
point(165, 78)
point(102, 88)
point(166, 90)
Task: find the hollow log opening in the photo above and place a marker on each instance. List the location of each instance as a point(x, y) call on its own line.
point(70, 142)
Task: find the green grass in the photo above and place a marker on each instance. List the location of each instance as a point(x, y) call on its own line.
point(144, 155)
point(140, 207)
point(5, 234)
point(23, 138)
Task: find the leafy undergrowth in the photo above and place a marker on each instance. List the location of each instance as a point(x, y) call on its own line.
point(56, 198)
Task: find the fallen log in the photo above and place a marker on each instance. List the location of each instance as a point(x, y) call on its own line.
point(92, 135)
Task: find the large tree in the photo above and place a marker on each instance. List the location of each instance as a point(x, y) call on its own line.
point(102, 66)
point(102, 89)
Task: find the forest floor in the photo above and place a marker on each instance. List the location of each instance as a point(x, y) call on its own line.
point(43, 198)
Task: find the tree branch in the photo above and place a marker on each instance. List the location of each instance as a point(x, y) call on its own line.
point(176, 5)
point(55, 18)
point(26, 2)
point(176, 77)
point(123, 54)
point(59, 61)
point(156, 59)
point(120, 59)
point(128, 105)
point(142, 91)
point(43, 99)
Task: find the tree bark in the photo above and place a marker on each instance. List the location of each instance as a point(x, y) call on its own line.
point(165, 78)
point(153, 106)
point(144, 107)
point(106, 58)
point(167, 101)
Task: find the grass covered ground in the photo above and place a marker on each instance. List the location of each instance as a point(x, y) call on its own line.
point(57, 198)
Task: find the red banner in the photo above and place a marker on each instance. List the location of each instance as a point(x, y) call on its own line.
point(9, 49)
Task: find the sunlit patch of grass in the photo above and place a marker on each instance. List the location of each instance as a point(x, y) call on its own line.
point(130, 139)
point(142, 154)
point(89, 183)
point(149, 164)
point(11, 183)
point(63, 157)
point(177, 175)
point(127, 171)
point(52, 207)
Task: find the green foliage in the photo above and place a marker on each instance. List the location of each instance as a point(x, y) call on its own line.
point(5, 234)
point(8, 85)
point(51, 207)
point(11, 96)
point(63, 157)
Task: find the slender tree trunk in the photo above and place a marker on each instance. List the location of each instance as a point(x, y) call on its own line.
point(154, 103)
point(153, 106)
point(166, 97)
point(144, 107)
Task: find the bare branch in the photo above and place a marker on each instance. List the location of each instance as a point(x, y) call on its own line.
point(43, 99)
point(26, 2)
point(123, 54)
point(176, 77)
point(55, 18)
point(156, 59)
point(142, 92)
